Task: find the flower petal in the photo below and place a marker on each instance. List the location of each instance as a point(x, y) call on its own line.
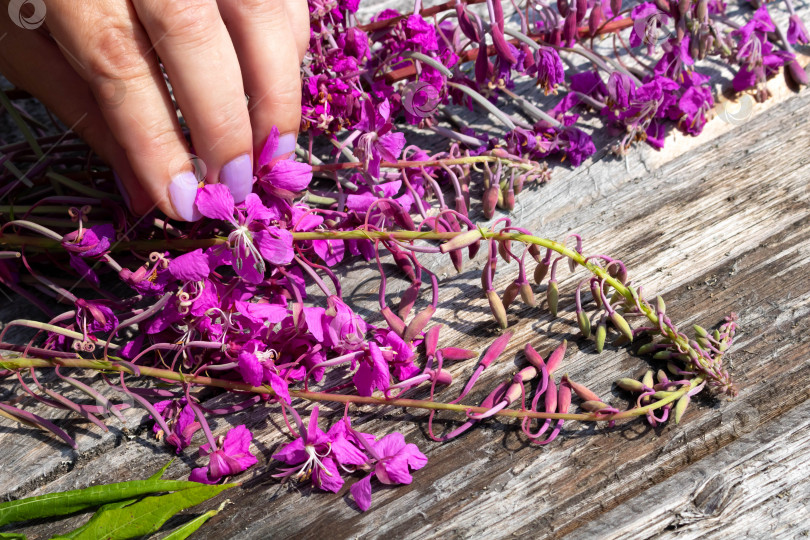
point(190, 266)
point(275, 245)
point(215, 201)
point(361, 491)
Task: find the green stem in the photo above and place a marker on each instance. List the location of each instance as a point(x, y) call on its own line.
point(165, 374)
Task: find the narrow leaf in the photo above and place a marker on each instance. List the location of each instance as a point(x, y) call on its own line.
point(185, 531)
point(159, 474)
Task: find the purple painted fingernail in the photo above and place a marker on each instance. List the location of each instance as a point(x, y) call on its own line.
point(183, 192)
point(286, 145)
point(122, 190)
point(237, 175)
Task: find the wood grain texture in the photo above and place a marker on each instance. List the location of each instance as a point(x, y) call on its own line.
point(722, 227)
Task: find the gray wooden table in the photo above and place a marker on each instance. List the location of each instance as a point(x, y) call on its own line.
point(715, 224)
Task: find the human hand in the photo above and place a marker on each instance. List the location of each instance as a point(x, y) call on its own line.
point(95, 65)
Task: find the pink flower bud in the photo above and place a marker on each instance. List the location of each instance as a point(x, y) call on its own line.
point(489, 200)
point(408, 299)
point(403, 262)
point(465, 24)
point(563, 7)
point(597, 297)
point(563, 398)
point(684, 6)
point(509, 199)
point(527, 294)
point(442, 377)
point(582, 391)
point(615, 6)
point(503, 250)
point(396, 324)
point(797, 73)
point(596, 19)
point(526, 374)
point(551, 396)
point(534, 357)
point(570, 28)
point(432, 339)
point(501, 45)
point(582, 9)
point(510, 294)
point(457, 353)
point(556, 357)
point(540, 272)
point(418, 323)
point(461, 241)
point(495, 350)
point(497, 309)
point(534, 251)
point(593, 406)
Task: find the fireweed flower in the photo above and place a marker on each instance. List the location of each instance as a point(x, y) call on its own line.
point(548, 69)
point(315, 455)
point(280, 177)
point(251, 242)
point(378, 141)
point(392, 459)
point(797, 32)
point(256, 364)
point(755, 53)
point(179, 416)
point(88, 243)
point(231, 457)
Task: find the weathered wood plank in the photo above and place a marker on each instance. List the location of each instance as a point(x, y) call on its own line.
point(756, 487)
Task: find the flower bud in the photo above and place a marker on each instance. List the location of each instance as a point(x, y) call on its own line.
point(457, 258)
point(595, 293)
point(514, 391)
point(432, 339)
point(556, 357)
point(615, 6)
point(581, 390)
point(647, 380)
point(621, 324)
point(684, 6)
point(457, 353)
point(418, 323)
point(700, 331)
point(630, 384)
point(461, 241)
point(509, 199)
point(497, 309)
point(797, 73)
point(510, 294)
point(563, 7)
point(593, 406)
point(442, 377)
point(661, 394)
point(489, 200)
point(540, 272)
point(596, 18)
point(534, 357)
point(662, 355)
point(503, 250)
point(408, 299)
point(647, 348)
point(550, 399)
point(563, 398)
point(582, 9)
point(534, 251)
point(702, 11)
point(601, 334)
point(527, 294)
point(404, 263)
point(465, 24)
point(584, 324)
point(680, 407)
point(552, 296)
point(526, 374)
point(497, 347)
point(396, 324)
point(570, 27)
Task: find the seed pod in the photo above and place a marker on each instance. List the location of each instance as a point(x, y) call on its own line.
point(552, 296)
point(489, 200)
point(540, 272)
point(622, 325)
point(527, 294)
point(396, 324)
point(584, 324)
point(497, 309)
point(680, 407)
point(510, 294)
point(601, 334)
point(418, 323)
point(630, 384)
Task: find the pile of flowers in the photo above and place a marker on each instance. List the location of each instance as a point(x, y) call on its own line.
point(248, 300)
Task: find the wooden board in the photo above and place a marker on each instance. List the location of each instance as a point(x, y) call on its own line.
point(722, 227)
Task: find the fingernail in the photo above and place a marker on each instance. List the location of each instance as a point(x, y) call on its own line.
point(123, 191)
point(286, 145)
point(183, 192)
point(237, 175)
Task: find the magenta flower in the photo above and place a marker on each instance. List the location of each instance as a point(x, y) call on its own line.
point(315, 455)
point(797, 32)
point(88, 243)
point(393, 459)
point(548, 68)
point(281, 177)
point(232, 457)
point(193, 266)
point(256, 364)
point(252, 241)
point(344, 330)
point(373, 373)
point(179, 417)
point(378, 142)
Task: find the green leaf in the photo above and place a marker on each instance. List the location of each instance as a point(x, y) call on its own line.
point(12, 536)
point(162, 470)
point(181, 533)
point(145, 516)
point(69, 502)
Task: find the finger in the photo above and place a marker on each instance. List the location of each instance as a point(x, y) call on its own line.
point(201, 62)
point(268, 55)
point(111, 51)
point(298, 17)
point(61, 90)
